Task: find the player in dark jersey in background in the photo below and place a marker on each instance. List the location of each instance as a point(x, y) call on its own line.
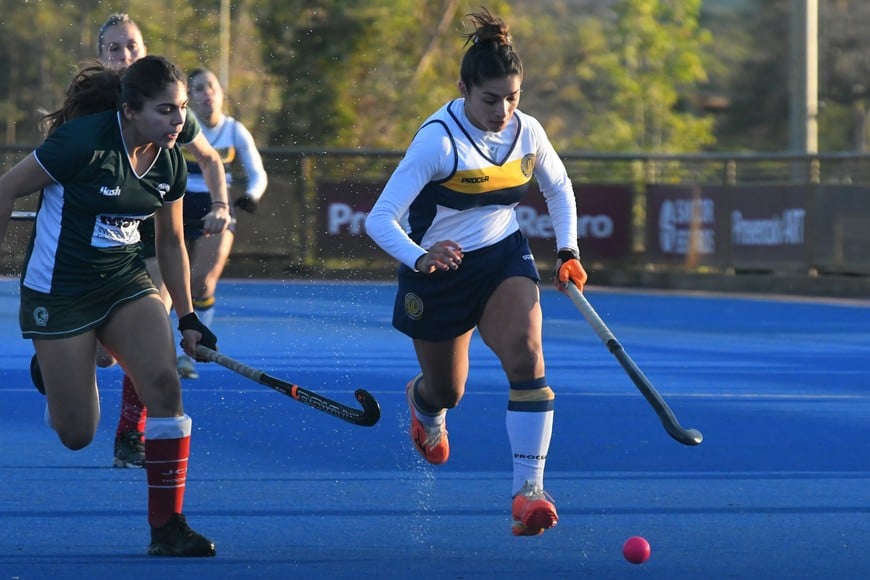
point(465, 264)
point(84, 280)
point(120, 44)
point(232, 140)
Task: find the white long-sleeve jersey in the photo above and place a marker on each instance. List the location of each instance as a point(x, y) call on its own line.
point(232, 140)
point(459, 183)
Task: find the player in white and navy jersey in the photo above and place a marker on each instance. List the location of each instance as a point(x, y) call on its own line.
point(447, 215)
point(236, 147)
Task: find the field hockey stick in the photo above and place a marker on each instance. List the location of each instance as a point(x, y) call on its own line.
point(672, 426)
point(368, 416)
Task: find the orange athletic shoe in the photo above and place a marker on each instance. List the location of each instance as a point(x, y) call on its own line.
point(533, 511)
point(431, 442)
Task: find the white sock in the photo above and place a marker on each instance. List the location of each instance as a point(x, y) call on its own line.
point(426, 419)
point(430, 420)
point(529, 434)
point(168, 427)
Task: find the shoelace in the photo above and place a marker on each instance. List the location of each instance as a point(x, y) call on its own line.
point(434, 434)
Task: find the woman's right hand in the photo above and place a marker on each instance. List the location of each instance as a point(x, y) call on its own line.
point(217, 220)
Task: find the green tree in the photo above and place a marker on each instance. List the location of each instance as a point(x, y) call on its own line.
point(359, 72)
point(652, 71)
point(757, 118)
point(601, 75)
point(560, 48)
point(35, 43)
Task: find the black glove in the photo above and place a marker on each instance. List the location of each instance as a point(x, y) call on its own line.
point(247, 203)
point(192, 322)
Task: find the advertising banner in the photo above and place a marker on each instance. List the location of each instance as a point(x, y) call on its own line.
point(604, 221)
point(686, 225)
point(768, 226)
point(740, 227)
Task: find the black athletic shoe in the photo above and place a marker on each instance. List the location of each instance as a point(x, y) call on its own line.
point(36, 375)
point(130, 449)
point(175, 538)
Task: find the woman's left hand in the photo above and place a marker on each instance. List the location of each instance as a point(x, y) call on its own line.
point(569, 269)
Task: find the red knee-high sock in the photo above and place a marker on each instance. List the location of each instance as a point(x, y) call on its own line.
point(133, 412)
point(167, 448)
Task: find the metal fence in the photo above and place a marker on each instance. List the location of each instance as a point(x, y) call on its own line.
point(284, 237)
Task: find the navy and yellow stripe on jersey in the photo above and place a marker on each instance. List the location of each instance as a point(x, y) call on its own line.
point(461, 183)
point(235, 147)
point(477, 180)
point(223, 139)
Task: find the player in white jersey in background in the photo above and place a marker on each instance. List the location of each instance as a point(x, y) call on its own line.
point(232, 140)
point(465, 264)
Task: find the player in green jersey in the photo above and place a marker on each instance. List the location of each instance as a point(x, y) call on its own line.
point(84, 280)
point(120, 44)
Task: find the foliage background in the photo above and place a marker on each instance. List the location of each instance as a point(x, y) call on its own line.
point(663, 76)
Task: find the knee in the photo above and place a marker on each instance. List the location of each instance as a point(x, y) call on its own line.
point(444, 398)
point(75, 430)
point(448, 400)
point(524, 363)
point(162, 393)
point(76, 439)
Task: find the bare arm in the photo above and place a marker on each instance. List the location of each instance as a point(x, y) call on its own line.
point(215, 177)
point(25, 178)
point(174, 264)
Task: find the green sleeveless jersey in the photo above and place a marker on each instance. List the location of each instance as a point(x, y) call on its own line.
point(87, 226)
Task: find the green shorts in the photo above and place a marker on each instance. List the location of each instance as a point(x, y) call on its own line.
point(48, 316)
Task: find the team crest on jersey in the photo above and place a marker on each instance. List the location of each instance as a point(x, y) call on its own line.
point(40, 315)
point(413, 306)
point(527, 166)
point(163, 189)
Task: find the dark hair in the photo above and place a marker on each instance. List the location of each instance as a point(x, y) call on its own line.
point(195, 73)
point(146, 78)
point(95, 88)
point(112, 20)
point(491, 54)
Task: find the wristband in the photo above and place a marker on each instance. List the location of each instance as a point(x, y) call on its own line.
point(192, 322)
point(246, 203)
point(569, 270)
point(566, 255)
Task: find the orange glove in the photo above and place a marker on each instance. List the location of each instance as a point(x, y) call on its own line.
point(568, 267)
